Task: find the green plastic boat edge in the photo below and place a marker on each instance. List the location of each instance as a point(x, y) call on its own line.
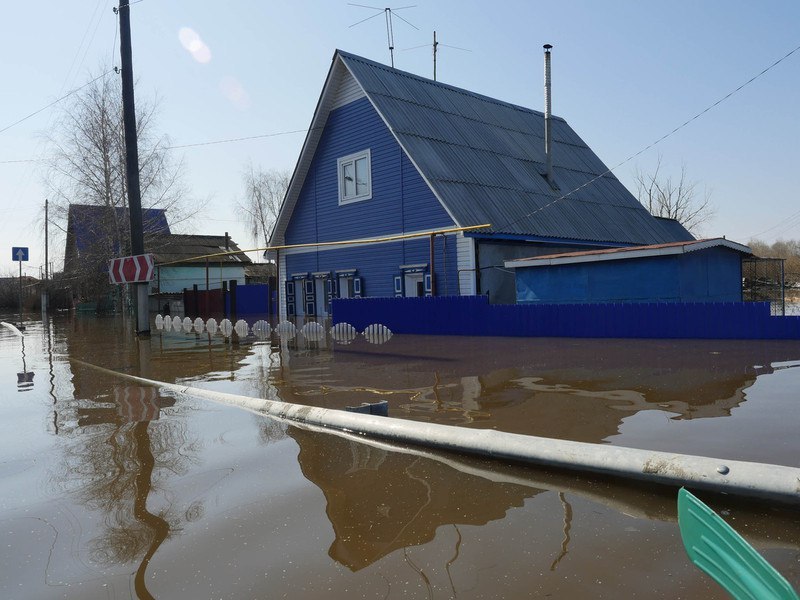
point(716, 548)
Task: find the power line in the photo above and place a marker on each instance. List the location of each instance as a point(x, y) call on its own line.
point(54, 102)
point(176, 147)
point(661, 139)
point(239, 139)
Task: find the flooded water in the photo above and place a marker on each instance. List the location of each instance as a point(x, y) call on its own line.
point(110, 490)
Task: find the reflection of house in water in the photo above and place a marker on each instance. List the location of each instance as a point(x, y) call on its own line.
point(564, 388)
point(132, 404)
point(380, 501)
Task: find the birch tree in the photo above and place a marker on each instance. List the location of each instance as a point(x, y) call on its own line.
point(86, 165)
point(263, 195)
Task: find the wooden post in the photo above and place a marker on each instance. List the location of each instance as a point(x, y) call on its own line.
point(233, 287)
point(132, 163)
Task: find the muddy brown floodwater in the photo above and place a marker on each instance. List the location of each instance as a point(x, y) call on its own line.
point(110, 490)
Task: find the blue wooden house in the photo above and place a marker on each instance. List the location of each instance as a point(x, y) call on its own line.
point(394, 166)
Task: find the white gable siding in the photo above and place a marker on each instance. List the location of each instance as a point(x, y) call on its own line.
point(348, 91)
point(465, 251)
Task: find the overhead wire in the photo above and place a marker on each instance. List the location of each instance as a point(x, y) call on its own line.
point(238, 139)
point(80, 45)
point(658, 141)
point(54, 102)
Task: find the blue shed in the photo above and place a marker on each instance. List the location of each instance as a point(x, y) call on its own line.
point(394, 170)
point(695, 271)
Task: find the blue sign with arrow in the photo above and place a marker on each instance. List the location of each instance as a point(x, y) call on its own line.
point(19, 253)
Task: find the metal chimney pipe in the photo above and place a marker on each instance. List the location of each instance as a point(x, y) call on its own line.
point(548, 139)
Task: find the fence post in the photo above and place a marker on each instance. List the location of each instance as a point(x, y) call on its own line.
point(234, 285)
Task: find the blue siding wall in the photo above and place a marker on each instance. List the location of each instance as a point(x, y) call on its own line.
point(711, 275)
point(401, 202)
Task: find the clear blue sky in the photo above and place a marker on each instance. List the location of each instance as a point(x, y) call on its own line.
point(624, 74)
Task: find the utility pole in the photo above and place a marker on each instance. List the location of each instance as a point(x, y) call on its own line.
point(132, 163)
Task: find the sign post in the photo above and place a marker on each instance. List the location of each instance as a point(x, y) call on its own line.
point(20, 253)
point(139, 271)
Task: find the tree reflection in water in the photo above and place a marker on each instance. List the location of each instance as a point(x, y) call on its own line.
point(116, 465)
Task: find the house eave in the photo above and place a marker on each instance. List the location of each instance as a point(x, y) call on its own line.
point(627, 254)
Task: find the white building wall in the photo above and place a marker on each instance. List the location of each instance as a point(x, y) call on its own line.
point(347, 92)
point(465, 251)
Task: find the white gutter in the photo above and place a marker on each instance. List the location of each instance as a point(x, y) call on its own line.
point(624, 254)
point(766, 481)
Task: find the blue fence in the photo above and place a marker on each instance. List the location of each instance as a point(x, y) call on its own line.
point(473, 315)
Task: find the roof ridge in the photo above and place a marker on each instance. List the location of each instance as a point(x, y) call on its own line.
point(426, 80)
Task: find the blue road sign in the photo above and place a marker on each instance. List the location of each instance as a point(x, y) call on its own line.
point(19, 253)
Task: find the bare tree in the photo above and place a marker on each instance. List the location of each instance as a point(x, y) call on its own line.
point(264, 192)
point(87, 166)
point(677, 199)
point(788, 250)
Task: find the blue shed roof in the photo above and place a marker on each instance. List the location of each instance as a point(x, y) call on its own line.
point(484, 160)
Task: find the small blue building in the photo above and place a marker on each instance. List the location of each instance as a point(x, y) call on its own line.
point(694, 271)
point(394, 170)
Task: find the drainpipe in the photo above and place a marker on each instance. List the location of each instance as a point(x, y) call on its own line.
point(548, 134)
point(433, 266)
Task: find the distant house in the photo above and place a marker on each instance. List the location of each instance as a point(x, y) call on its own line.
point(393, 154)
point(183, 261)
point(693, 271)
point(96, 234)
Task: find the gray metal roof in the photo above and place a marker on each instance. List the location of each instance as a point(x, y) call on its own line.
point(675, 229)
point(484, 159)
point(186, 249)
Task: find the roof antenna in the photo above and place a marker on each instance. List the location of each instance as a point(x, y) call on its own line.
point(389, 14)
point(436, 45)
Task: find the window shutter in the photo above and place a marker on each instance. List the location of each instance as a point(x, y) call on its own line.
point(427, 284)
point(357, 287)
point(329, 290)
point(290, 311)
point(311, 305)
point(398, 286)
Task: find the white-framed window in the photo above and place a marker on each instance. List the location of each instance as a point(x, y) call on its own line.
point(355, 177)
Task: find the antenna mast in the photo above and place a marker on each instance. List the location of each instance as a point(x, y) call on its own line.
point(435, 43)
point(389, 14)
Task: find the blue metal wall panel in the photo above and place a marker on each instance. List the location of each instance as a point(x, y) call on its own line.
point(711, 275)
point(473, 315)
